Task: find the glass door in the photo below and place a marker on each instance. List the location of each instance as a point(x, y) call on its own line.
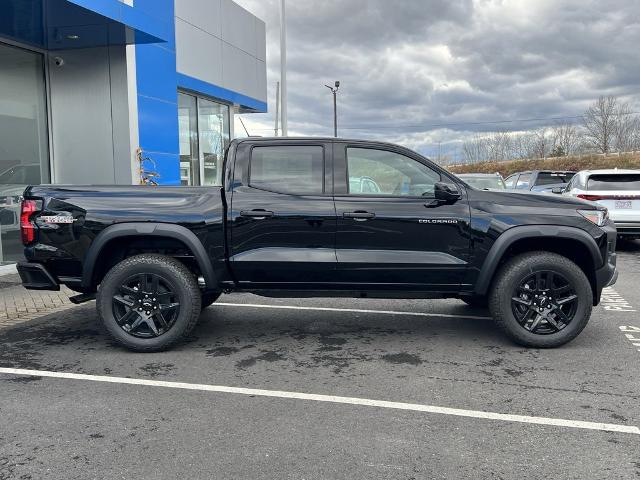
point(204, 137)
point(188, 132)
point(24, 149)
point(213, 119)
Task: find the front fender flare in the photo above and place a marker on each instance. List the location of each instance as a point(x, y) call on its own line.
point(120, 230)
point(508, 238)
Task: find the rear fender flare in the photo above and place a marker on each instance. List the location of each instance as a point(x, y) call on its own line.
point(508, 238)
point(176, 232)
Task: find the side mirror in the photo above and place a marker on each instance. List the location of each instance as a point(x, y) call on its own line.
point(557, 190)
point(446, 192)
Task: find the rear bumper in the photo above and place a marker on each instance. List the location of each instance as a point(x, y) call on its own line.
point(35, 276)
point(628, 228)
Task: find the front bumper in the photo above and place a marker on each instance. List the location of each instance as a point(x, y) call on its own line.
point(607, 275)
point(35, 276)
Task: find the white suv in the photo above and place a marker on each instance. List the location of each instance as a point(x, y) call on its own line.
point(618, 190)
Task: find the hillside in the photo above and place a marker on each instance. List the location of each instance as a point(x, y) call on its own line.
point(576, 163)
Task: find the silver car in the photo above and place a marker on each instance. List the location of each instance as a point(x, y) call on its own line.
point(618, 190)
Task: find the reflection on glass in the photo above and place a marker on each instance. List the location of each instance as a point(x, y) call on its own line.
point(24, 157)
point(188, 134)
point(213, 119)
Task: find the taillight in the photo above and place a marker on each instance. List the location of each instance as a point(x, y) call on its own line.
point(592, 198)
point(27, 228)
point(595, 198)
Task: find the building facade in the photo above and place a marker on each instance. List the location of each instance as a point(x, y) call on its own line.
point(98, 91)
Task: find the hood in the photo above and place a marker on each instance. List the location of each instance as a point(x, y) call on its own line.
point(525, 198)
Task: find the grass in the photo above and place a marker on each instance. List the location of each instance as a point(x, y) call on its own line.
point(574, 163)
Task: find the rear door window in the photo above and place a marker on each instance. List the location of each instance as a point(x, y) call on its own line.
point(623, 182)
point(291, 169)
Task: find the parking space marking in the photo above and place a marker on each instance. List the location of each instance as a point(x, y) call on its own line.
point(613, 301)
point(349, 310)
point(607, 427)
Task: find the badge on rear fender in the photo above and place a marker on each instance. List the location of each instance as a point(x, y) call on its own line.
point(57, 219)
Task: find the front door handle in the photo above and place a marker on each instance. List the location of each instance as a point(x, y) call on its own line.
point(256, 214)
point(359, 215)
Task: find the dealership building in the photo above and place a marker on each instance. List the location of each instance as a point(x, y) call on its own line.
point(89, 87)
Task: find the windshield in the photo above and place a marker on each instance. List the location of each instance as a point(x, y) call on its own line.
point(484, 182)
point(614, 182)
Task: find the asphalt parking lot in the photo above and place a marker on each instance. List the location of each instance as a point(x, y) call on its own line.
point(577, 407)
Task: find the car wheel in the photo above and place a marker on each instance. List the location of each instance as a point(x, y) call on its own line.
point(208, 298)
point(476, 301)
point(147, 303)
point(541, 299)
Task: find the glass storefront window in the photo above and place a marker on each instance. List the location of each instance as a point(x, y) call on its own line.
point(204, 136)
point(188, 132)
point(24, 155)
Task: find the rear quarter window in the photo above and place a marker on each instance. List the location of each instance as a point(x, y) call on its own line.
point(623, 182)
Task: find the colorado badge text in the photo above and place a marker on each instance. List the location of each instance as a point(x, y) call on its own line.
point(437, 220)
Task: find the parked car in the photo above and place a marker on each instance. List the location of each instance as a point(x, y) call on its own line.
point(484, 181)
point(287, 223)
point(543, 181)
point(618, 190)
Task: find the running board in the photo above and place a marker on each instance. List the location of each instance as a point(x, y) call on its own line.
point(82, 298)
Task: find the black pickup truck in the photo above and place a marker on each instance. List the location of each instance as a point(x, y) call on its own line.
point(304, 217)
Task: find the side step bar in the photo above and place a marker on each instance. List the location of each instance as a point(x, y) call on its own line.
point(82, 298)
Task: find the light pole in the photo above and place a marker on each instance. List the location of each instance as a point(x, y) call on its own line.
point(283, 69)
point(334, 90)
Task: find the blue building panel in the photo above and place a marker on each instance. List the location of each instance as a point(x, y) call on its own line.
point(245, 102)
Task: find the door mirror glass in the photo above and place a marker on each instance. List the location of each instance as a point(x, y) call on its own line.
point(447, 192)
point(557, 190)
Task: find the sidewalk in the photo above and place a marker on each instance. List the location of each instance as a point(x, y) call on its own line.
point(17, 304)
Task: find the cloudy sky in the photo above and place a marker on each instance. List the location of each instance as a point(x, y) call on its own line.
point(429, 73)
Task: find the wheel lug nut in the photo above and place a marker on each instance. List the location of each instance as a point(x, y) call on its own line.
point(147, 313)
point(139, 309)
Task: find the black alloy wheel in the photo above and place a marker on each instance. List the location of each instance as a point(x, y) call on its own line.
point(541, 299)
point(146, 305)
point(544, 302)
point(149, 302)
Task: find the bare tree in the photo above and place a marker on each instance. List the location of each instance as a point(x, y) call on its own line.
point(565, 138)
point(626, 126)
point(600, 123)
point(474, 150)
point(540, 144)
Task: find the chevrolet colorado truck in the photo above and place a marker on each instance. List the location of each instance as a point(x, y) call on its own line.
point(293, 218)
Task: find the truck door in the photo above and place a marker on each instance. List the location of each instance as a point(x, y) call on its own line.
point(282, 215)
point(391, 232)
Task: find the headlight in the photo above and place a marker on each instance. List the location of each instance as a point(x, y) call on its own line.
point(599, 217)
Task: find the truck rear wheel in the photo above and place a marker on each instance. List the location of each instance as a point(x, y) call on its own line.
point(541, 299)
point(148, 302)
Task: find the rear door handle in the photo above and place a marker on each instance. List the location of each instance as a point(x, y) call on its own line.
point(359, 215)
point(256, 214)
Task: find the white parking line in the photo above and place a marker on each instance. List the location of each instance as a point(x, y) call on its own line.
point(608, 427)
point(350, 310)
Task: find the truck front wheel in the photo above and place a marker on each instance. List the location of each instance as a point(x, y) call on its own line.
point(148, 302)
point(541, 299)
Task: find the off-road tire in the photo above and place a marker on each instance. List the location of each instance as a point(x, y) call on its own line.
point(186, 289)
point(517, 269)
